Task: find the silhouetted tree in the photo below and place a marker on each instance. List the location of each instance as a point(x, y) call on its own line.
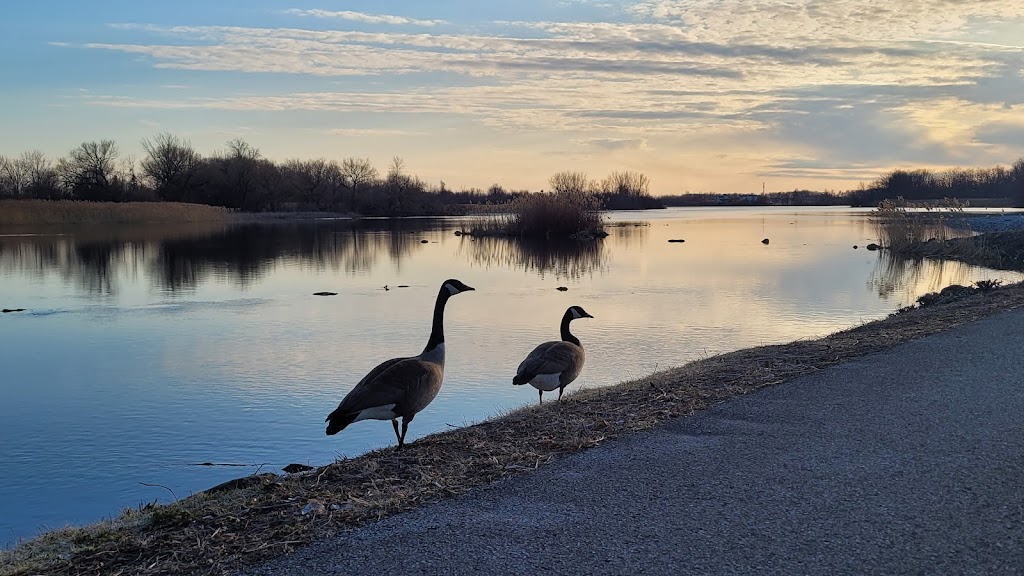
point(357, 174)
point(173, 167)
point(89, 171)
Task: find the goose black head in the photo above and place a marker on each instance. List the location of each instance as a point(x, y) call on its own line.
point(578, 312)
point(455, 287)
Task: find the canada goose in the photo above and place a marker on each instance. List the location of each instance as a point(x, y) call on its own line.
point(554, 364)
point(400, 387)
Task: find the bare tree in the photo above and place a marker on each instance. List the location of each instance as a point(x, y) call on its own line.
point(10, 181)
point(40, 175)
point(242, 150)
point(172, 165)
point(90, 169)
point(314, 182)
point(357, 174)
point(569, 182)
point(627, 183)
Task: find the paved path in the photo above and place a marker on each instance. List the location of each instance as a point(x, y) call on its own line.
point(906, 461)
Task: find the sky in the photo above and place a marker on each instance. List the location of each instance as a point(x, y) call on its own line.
point(699, 95)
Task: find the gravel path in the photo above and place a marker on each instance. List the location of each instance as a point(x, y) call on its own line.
point(906, 461)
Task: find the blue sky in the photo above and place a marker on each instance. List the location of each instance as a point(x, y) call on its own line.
point(701, 95)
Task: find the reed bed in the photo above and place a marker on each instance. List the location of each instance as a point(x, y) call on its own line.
point(51, 212)
point(263, 516)
point(546, 215)
point(901, 224)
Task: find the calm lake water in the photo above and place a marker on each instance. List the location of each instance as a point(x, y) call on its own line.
point(145, 351)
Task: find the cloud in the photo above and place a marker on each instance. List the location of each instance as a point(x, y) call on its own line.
point(804, 88)
point(371, 132)
point(615, 143)
point(365, 18)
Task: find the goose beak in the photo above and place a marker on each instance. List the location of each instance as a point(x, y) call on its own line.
point(587, 315)
point(467, 288)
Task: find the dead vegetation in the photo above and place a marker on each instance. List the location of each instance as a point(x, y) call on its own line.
point(45, 212)
point(264, 516)
point(1002, 250)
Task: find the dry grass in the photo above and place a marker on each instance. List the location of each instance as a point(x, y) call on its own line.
point(545, 215)
point(262, 516)
point(48, 212)
point(900, 227)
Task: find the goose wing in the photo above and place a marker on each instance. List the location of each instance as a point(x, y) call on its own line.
point(550, 358)
point(396, 381)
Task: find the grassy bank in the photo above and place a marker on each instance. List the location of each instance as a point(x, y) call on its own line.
point(49, 212)
point(263, 516)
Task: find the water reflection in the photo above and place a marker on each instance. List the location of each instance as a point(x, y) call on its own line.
point(563, 259)
point(178, 259)
point(898, 275)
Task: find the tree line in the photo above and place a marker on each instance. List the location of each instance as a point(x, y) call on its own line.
point(241, 178)
point(961, 183)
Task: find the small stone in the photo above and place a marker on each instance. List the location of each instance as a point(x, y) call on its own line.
point(424, 241)
point(676, 240)
point(458, 232)
point(325, 293)
point(854, 246)
point(562, 288)
point(873, 247)
point(765, 241)
point(313, 507)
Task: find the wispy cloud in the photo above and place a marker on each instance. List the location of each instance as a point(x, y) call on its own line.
point(811, 87)
point(371, 132)
point(365, 18)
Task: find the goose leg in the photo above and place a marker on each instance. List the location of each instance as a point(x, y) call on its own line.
point(394, 424)
point(405, 428)
point(560, 390)
point(540, 394)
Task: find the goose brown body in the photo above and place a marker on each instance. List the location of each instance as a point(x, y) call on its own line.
point(554, 365)
point(400, 387)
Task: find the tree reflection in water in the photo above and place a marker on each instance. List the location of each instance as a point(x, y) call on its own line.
point(181, 257)
point(563, 259)
point(896, 275)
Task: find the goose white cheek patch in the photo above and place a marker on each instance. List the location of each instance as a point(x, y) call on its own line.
point(451, 289)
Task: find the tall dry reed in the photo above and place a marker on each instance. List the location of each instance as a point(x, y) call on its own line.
point(47, 212)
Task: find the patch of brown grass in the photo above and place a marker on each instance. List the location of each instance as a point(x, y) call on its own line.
point(545, 215)
point(49, 212)
point(261, 517)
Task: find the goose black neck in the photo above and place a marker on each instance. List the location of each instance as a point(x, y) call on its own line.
point(566, 335)
point(437, 329)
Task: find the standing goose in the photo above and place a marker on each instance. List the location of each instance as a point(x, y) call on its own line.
point(554, 364)
point(400, 387)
